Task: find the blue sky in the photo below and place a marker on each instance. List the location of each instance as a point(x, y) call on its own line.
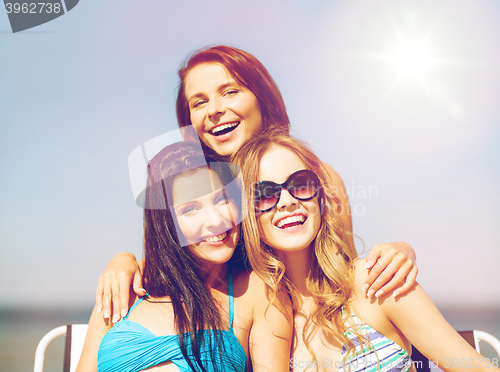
point(401, 98)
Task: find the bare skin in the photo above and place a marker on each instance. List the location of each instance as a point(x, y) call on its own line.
point(262, 330)
point(411, 319)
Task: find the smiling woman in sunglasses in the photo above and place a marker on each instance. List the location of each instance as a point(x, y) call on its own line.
point(294, 237)
point(303, 185)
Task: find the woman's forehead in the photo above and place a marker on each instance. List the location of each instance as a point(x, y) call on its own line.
point(206, 76)
point(194, 185)
point(278, 163)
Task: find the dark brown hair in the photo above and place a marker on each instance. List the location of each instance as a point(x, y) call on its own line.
point(171, 270)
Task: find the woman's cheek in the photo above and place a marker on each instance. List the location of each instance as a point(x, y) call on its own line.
point(229, 212)
point(197, 122)
point(186, 225)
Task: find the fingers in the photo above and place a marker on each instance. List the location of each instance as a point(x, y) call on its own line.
point(407, 250)
point(391, 265)
point(98, 295)
point(124, 285)
point(108, 290)
point(410, 281)
point(398, 280)
point(124, 294)
point(373, 256)
point(382, 272)
point(138, 284)
point(113, 289)
point(106, 296)
point(115, 297)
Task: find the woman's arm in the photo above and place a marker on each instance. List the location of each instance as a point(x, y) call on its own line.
point(422, 324)
point(393, 265)
point(271, 333)
point(96, 331)
point(112, 295)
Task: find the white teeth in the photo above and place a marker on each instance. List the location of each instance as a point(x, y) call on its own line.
point(215, 239)
point(288, 220)
point(224, 126)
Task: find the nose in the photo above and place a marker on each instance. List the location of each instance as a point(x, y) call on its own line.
point(215, 107)
point(286, 200)
point(213, 218)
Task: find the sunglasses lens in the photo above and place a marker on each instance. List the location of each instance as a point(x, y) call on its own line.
point(304, 185)
point(266, 195)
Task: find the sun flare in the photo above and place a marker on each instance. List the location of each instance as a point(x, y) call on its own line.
point(411, 60)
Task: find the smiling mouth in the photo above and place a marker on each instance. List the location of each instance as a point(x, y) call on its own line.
point(216, 239)
point(289, 222)
point(224, 128)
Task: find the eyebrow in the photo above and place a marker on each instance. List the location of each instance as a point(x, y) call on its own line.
point(185, 204)
point(221, 87)
point(214, 192)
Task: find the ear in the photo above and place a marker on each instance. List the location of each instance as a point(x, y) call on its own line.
point(322, 201)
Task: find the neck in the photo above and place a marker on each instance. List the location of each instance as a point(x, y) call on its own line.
point(297, 267)
point(215, 275)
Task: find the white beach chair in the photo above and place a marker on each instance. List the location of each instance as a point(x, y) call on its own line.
point(75, 337)
point(474, 338)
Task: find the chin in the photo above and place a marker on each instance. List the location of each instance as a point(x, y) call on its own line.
point(295, 245)
point(219, 257)
point(227, 149)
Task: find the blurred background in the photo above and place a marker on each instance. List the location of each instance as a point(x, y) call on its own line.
point(401, 98)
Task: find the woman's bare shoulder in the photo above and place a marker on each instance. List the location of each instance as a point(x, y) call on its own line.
point(371, 309)
point(360, 272)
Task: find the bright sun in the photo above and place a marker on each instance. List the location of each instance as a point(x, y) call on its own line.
point(411, 60)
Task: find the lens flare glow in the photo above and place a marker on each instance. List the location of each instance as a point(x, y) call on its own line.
point(411, 60)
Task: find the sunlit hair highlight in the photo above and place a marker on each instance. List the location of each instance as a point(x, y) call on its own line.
point(249, 72)
point(331, 279)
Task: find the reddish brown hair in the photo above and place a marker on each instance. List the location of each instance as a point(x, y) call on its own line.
point(248, 72)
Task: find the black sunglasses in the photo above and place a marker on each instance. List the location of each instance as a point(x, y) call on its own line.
point(302, 185)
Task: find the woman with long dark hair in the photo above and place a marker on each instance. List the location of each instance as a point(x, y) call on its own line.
point(203, 310)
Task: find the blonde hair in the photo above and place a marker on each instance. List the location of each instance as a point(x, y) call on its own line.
point(331, 279)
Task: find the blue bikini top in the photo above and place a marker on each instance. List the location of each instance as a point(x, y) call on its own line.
point(129, 347)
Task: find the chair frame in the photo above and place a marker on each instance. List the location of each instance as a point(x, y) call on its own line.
point(472, 337)
point(75, 338)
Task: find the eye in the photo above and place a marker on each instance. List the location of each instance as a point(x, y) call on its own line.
point(198, 103)
point(188, 211)
point(231, 92)
point(220, 199)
